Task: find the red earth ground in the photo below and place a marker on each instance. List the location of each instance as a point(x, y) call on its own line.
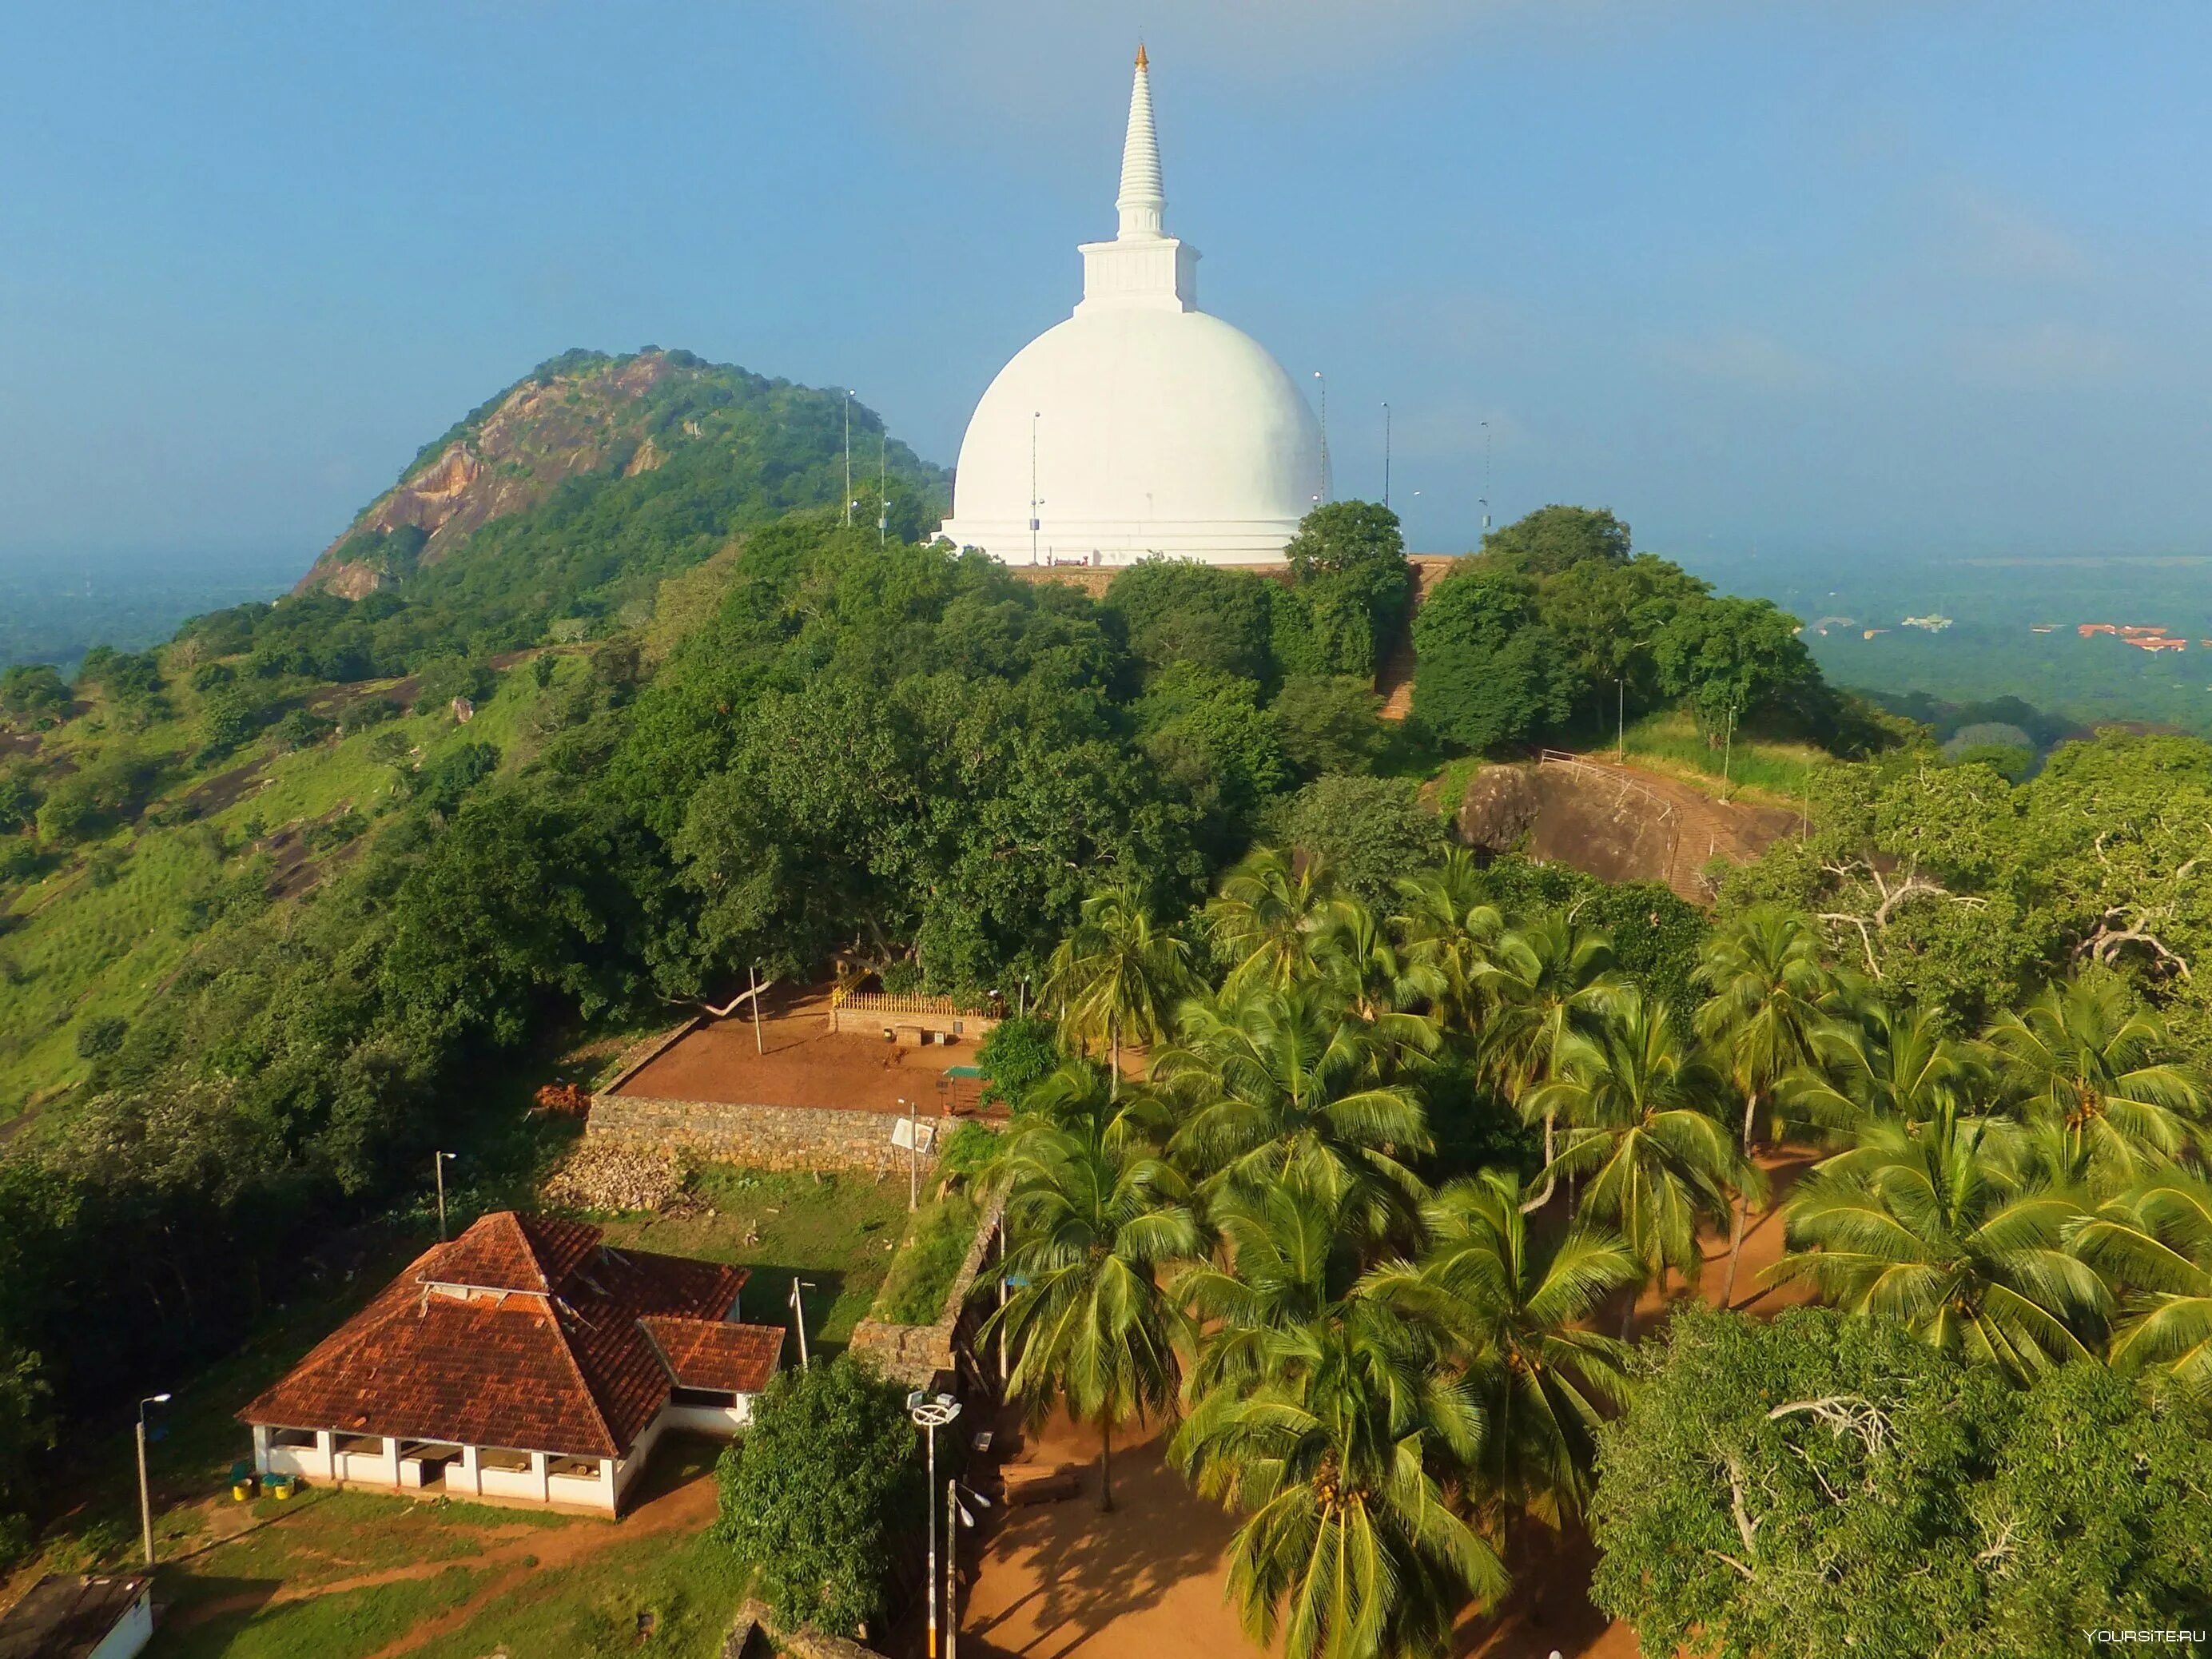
point(1149, 1581)
point(805, 1065)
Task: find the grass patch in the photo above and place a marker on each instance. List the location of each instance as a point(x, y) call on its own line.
point(1452, 779)
point(922, 1271)
point(343, 1625)
point(835, 1233)
point(688, 1587)
point(1670, 742)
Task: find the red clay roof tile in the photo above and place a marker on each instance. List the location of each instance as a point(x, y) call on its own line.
point(565, 1369)
point(707, 1353)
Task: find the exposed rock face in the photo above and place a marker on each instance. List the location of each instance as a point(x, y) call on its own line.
point(1619, 823)
point(547, 429)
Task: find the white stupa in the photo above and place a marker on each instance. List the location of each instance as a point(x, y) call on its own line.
point(1140, 425)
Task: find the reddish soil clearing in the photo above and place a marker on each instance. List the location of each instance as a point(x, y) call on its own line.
point(804, 1064)
point(1150, 1580)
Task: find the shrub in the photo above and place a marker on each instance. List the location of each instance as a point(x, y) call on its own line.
point(816, 1495)
point(101, 1035)
point(969, 1149)
point(1015, 1056)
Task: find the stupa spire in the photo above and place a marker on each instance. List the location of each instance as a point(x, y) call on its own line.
point(1142, 202)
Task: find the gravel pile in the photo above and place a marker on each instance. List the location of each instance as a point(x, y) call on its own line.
point(598, 1177)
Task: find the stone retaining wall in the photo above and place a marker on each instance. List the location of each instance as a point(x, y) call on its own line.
point(762, 1137)
point(917, 1355)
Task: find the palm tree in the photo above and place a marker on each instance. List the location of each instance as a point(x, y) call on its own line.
point(1285, 1085)
point(1285, 1260)
point(1266, 913)
point(1898, 1064)
point(2082, 1060)
point(1511, 1309)
point(1355, 957)
point(1091, 1230)
point(2156, 1243)
point(1771, 1001)
point(1447, 926)
point(1633, 1100)
point(1117, 976)
point(1949, 1227)
point(1545, 981)
point(1340, 1458)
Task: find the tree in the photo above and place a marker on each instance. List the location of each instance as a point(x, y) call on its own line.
point(1268, 914)
point(1093, 1225)
point(1350, 588)
point(1545, 981)
point(1178, 611)
point(1773, 999)
point(1885, 1062)
point(1284, 1260)
point(1015, 1055)
point(1487, 673)
point(1634, 1102)
point(33, 692)
point(1448, 923)
point(2099, 1072)
point(1338, 1458)
point(1734, 659)
point(1944, 1228)
point(819, 1490)
point(1556, 539)
point(1513, 1311)
point(1286, 1086)
point(2154, 1244)
point(1327, 723)
point(1818, 1484)
point(1118, 976)
point(1367, 832)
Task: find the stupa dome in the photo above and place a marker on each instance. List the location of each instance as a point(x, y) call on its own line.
point(1140, 425)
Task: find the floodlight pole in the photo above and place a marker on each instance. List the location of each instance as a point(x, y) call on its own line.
point(1386, 455)
point(913, 1156)
point(929, 1415)
point(1034, 502)
point(848, 458)
point(799, 1317)
point(1318, 375)
point(752, 981)
point(438, 1162)
point(145, 1492)
point(951, 1569)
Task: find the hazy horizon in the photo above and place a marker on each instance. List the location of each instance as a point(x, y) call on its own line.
point(1842, 279)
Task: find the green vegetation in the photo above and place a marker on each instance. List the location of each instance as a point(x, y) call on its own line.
point(927, 1261)
point(1821, 1485)
point(1391, 1165)
point(829, 1475)
point(1554, 628)
point(834, 1233)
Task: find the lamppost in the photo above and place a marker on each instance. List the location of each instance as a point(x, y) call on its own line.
point(145, 1496)
point(957, 1516)
point(883, 489)
point(799, 1315)
point(1035, 501)
point(930, 1413)
point(848, 458)
point(752, 984)
point(1386, 454)
point(1485, 475)
point(913, 1155)
point(1324, 433)
point(438, 1162)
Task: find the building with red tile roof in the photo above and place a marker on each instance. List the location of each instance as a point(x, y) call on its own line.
point(526, 1358)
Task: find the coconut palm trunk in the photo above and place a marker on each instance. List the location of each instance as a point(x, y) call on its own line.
point(1105, 1464)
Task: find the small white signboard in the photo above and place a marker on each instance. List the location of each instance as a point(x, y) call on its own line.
point(914, 1135)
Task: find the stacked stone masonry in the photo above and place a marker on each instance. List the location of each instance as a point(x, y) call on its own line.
point(764, 1137)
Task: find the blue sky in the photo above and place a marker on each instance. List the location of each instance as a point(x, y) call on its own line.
point(1860, 278)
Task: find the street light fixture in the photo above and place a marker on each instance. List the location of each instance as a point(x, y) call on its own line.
point(957, 1515)
point(930, 1413)
point(145, 1494)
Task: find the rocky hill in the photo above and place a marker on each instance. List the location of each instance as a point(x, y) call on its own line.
point(587, 420)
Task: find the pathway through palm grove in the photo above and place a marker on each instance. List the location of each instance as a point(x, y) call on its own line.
point(1062, 1581)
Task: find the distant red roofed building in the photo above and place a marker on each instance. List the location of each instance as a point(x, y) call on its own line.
point(2088, 629)
point(526, 1359)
